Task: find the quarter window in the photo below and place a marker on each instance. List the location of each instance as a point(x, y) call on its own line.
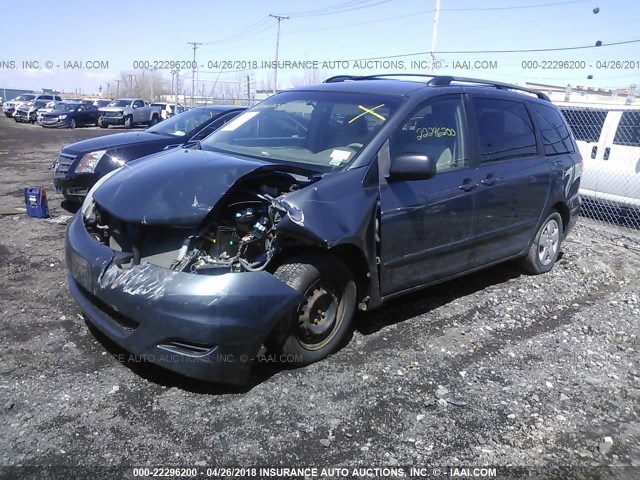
point(505, 130)
point(555, 134)
point(437, 130)
point(628, 132)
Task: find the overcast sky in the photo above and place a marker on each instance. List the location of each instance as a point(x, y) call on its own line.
point(122, 32)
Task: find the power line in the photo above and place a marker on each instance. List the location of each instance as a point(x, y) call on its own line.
point(518, 7)
point(241, 33)
point(245, 36)
point(345, 8)
point(530, 50)
point(469, 52)
point(329, 8)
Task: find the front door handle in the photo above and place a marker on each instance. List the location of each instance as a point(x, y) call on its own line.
point(468, 185)
point(594, 151)
point(607, 151)
point(489, 180)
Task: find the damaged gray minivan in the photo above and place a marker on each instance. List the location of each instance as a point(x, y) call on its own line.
point(317, 202)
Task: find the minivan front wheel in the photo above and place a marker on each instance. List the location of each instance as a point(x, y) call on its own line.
point(545, 247)
point(322, 319)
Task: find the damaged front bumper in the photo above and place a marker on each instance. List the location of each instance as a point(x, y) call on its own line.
point(204, 327)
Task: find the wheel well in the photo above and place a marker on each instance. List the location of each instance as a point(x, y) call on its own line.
point(564, 212)
point(349, 254)
point(355, 260)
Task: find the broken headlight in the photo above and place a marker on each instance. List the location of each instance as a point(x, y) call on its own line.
point(88, 206)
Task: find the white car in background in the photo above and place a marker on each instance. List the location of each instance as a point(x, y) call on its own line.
point(168, 109)
point(608, 138)
point(50, 107)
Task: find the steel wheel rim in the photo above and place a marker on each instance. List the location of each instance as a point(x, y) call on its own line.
point(320, 315)
point(549, 242)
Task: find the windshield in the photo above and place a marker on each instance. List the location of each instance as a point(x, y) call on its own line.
point(327, 129)
point(120, 103)
point(25, 97)
point(184, 124)
point(66, 107)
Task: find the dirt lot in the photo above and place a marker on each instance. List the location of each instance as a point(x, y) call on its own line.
point(493, 369)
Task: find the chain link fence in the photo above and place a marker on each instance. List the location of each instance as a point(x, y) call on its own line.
point(609, 142)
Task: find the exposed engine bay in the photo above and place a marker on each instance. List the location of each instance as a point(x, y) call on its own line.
point(238, 234)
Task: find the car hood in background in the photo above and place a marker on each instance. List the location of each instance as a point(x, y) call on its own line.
point(118, 140)
point(177, 188)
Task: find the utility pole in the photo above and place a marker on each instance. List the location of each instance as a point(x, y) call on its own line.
point(193, 71)
point(117, 88)
point(177, 89)
point(275, 80)
point(434, 36)
point(248, 90)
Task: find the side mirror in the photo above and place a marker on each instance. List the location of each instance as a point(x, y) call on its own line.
point(412, 166)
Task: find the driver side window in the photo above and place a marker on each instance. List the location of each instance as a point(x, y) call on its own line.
point(436, 129)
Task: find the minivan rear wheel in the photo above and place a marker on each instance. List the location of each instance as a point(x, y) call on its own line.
point(321, 321)
point(545, 247)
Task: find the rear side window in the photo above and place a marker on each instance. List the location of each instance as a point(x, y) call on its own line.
point(628, 132)
point(555, 134)
point(585, 123)
point(505, 130)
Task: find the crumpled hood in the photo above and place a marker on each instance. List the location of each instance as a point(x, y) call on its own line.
point(176, 188)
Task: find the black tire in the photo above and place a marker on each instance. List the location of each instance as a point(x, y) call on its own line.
point(72, 123)
point(320, 323)
point(154, 121)
point(545, 247)
point(128, 122)
point(101, 123)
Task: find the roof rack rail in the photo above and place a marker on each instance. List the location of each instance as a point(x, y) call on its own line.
point(441, 81)
point(341, 78)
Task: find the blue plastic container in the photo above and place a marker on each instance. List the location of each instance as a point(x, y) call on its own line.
point(35, 199)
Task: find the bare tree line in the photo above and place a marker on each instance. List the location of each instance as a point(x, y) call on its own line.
point(154, 85)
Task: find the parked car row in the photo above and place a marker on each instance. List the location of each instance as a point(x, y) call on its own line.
point(274, 229)
point(9, 108)
point(70, 113)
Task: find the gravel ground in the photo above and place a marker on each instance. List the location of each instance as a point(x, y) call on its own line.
point(493, 369)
